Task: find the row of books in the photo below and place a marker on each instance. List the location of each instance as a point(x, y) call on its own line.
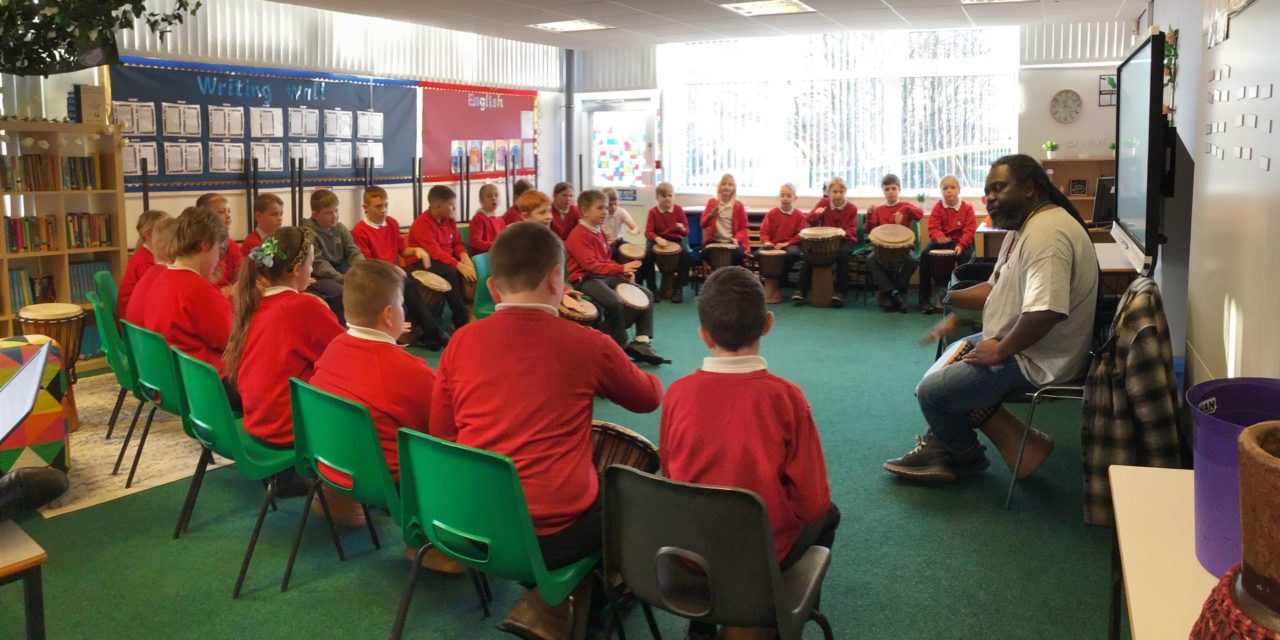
point(27, 290)
point(86, 230)
point(82, 278)
point(35, 172)
point(31, 233)
point(81, 173)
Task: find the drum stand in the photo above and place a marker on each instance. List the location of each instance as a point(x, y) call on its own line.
point(773, 291)
point(821, 286)
point(668, 286)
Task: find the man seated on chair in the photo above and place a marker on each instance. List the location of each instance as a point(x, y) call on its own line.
point(1037, 317)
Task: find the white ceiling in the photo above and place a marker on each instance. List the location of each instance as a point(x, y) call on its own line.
point(649, 22)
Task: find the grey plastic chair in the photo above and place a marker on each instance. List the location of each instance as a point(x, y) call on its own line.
point(705, 553)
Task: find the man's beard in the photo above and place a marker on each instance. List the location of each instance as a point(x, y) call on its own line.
point(1008, 220)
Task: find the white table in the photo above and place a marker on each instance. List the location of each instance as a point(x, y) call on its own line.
point(1165, 586)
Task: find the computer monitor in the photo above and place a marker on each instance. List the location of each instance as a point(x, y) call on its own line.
point(1143, 156)
point(1104, 200)
point(18, 395)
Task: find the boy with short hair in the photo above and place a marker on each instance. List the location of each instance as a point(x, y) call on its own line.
point(268, 215)
point(593, 272)
point(437, 232)
point(774, 451)
point(540, 417)
point(892, 281)
point(141, 260)
point(335, 248)
point(952, 225)
point(666, 226)
point(229, 265)
point(378, 236)
point(615, 218)
point(513, 214)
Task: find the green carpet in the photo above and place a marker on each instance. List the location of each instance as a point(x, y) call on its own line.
point(909, 561)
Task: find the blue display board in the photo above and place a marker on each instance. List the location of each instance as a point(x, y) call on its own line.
point(199, 125)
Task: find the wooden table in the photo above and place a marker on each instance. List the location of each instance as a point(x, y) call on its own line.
point(20, 559)
point(1165, 586)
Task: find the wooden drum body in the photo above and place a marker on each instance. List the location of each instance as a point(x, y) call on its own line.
point(612, 444)
point(431, 287)
point(893, 244)
point(578, 310)
point(634, 301)
point(667, 260)
point(62, 322)
point(821, 249)
point(773, 268)
point(718, 254)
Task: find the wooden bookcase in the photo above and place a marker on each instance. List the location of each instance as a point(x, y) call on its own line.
point(1063, 171)
point(63, 140)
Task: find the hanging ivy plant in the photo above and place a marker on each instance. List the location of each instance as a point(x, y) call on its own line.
point(47, 36)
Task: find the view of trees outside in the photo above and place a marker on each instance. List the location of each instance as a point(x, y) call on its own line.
point(801, 109)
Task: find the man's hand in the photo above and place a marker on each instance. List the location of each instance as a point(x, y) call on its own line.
point(944, 328)
point(985, 354)
point(467, 271)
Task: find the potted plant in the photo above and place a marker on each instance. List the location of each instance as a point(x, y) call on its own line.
point(1049, 147)
point(920, 197)
point(1111, 146)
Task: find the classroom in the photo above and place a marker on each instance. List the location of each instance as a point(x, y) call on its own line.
point(639, 318)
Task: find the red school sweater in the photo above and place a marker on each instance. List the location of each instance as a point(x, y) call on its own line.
point(663, 223)
point(141, 294)
point(753, 431)
point(845, 217)
point(395, 385)
point(229, 267)
point(957, 224)
point(254, 239)
point(141, 261)
point(588, 254)
point(383, 243)
point(439, 237)
point(484, 230)
point(536, 408)
point(884, 214)
point(783, 227)
point(190, 312)
point(287, 334)
point(512, 215)
point(739, 230)
point(564, 223)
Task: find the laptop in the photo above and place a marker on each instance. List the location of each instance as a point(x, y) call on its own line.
point(18, 396)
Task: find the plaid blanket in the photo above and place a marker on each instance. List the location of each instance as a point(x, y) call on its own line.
point(1130, 399)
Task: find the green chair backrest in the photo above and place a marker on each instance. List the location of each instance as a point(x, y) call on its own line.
point(157, 376)
point(112, 345)
point(862, 232)
point(920, 242)
point(209, 412)
point(483, 305)
point(469, 503)
point(335, 439)
point(465, 232)
point(105, 284)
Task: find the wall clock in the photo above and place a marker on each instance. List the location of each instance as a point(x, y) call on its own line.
point(1065, 106)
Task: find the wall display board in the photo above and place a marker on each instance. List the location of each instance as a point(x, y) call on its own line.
point(200, 125)
point(483, 129)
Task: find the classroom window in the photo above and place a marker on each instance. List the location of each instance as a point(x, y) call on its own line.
point(618, 148)
point(921, 104)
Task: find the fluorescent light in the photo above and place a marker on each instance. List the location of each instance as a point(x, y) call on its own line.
point(565, 26)
point(768, 8)
point(995, 1)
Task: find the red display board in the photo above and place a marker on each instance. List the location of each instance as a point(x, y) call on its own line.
point(483, 127)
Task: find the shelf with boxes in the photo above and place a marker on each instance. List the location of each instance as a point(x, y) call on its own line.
point(62, 197)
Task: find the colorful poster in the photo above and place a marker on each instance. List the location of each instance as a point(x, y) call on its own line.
point(488, 153)
point(475, 160)
point(501, 158)
point(451, 112)
point(513, 153)
point(457, 156)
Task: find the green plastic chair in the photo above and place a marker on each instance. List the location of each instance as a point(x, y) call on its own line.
point(483, 305)
point(157, 384)
point(105, 284)
point(335, 443)
point(465, 232)
point(117, 353)
point(209, 412)
point(469, 504)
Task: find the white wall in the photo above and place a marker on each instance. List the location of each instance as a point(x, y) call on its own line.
point(1086, 137)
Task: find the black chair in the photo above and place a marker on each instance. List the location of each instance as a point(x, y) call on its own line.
point(705, 553)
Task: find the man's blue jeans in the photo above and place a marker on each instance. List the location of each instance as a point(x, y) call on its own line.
point(949, 397)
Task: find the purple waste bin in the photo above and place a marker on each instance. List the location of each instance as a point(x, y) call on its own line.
point(1220, 410)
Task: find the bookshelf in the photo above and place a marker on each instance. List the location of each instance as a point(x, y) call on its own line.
point(1063, 171)
point(62, 198)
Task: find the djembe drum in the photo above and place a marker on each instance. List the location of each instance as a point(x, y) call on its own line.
point(634, 301)
point(718, 254)
point(821, 249)
point(667, 258)
point(944, 262)
point(773, 268)
point(431, 287)
point(62, 322)
point(613, 444)
point(893, 244)
point(578, 310)
point(630, 252)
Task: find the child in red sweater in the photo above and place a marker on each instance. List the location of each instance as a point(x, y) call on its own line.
point(564, 215)
point(593, 272)
point(774, 450)
point(781, 231)
point(666, 228)
point(952, 225)
point(229, 264)
point(892, 281)
point(268, 215)
point(378, 237)
point(141, 260)
point(513, 214)
point(161, 243)
point(262, 313)
point(537, 408)
point(182, 303)
point(436, 232)
point(486, 224)
point(724, 219)
point(833, 211)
